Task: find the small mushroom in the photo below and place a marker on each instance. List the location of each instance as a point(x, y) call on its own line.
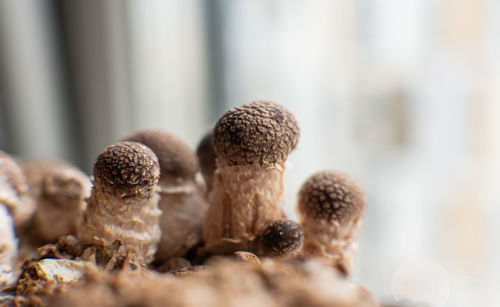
point(123, 204)
point(206, 157)
point(182, 203)
point(14, 190)
point(281, 238)
point(252, 143)
point(331, 205)
point(61, 203)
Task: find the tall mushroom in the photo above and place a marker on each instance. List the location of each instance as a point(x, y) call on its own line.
point(252, 143)
point(331, 205)
point(123, 204)
point(182, 202)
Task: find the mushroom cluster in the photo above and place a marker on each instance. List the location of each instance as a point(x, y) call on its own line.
point(156, 218)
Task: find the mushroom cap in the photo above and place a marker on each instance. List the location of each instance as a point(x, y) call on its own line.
point(260, 133)
point(65, 184)
point(331, 196)
point(206, 154)
point(281, 238)
point(126, 169)
point(176, 159)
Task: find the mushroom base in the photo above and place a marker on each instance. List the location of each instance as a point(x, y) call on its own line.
point(133, 220)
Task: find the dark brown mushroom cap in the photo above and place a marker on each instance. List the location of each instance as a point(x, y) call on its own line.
point(281, 238)
point(260, 133)
point(176, 159)
point(126, 169)
point(206, 154)
point(13, 174)
point(331, 196)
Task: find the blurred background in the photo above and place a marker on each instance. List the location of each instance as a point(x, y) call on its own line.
point(403, 95)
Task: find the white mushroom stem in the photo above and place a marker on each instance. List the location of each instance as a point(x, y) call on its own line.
point(133, 220)
point(8, 247)
point(183, 211)
point(334, 244)
point(243, 202)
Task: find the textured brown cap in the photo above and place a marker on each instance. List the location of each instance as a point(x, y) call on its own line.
point(259, 133)
point(14, 173)
point(126, 169)
point(176, 158)
point(332, 196)
point(281, 238)
point(206, 153)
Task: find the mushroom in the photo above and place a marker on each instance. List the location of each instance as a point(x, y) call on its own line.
point(281, 238)
point(331, 205)
point(61, 202)
point(14, 190)
point(182, 201)
point(123, 204)
point(251, 142)
point(206, 157)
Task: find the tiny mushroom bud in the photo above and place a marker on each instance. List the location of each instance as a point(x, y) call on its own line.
point(123, 204)
point(14, 190)
point(61, 202)
point(331, 205)
point(206, 157)
point(252, 143)
point(182, 202)
point(281, 238)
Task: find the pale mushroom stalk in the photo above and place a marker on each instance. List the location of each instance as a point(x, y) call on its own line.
point(331, 205)
point(251, 143)
point(123, 204)
point(182, 203)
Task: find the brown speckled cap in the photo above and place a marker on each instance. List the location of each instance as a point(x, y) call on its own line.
point(206, 154)
point(260, 133)
point(281, 238)
point(176, 158)
point(332, 196)
point(14, 173)
point(126, 169)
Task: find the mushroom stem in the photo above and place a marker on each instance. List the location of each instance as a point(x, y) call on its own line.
point(132, 220)
point(335, 248)
point(240, 206)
